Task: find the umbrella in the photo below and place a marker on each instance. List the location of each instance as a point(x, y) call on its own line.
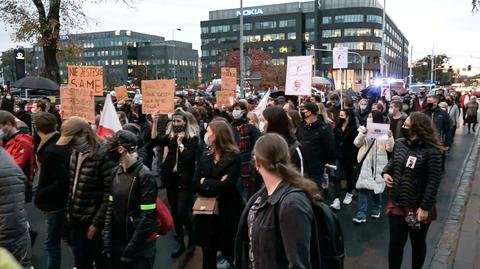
point(36, 83)
point(320, 80)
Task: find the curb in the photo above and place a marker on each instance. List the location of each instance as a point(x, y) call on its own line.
point(447, 243)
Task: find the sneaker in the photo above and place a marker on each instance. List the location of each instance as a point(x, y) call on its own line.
point(359, 220)
point(375, 215)
point(336, 204)
point(348, 199)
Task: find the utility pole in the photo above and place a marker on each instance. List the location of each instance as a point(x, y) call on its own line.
point(174, 65)
point(410, 76)
point(242, 54)
point(382, 53)
point(433, 61)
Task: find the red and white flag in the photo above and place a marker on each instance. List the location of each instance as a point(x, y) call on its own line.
point(109, 122)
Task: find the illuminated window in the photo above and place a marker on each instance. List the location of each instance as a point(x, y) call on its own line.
point(287, 23)
point(283, 49)
point(374, 18)
point(266, 25)
point(332, 33)
point(357, 32)
point(309, 23)
point(349, 18)
point(292, 36)
point(327, 20)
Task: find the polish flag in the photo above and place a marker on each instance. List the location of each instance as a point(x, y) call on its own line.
point(109, 122)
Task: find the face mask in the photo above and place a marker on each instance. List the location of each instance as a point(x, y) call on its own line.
point(9, 97)
point(390, 111)
point(405, 107)
point(431, 106)
point(119, 107)
point(406, 133)
point(207, 141)
point(34, 111)
point(2, 134)
point(341, 121)
point(237, 114)
point(81, 145)
point(422, 93)
point(363, 107)
point(449, 102)
point(304, 117)
point(16, 110)
point(128, 158)
point(178, 128)
point(114, 156)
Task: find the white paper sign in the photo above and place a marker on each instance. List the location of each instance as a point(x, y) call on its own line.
point(340, 58)
point(386, 92)
point(377, 130)
point(299, 76)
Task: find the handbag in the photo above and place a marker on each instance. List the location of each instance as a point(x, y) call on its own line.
point(205, 206)
point(358, 167)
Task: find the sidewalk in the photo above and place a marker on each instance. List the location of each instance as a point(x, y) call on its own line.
point(467, 254)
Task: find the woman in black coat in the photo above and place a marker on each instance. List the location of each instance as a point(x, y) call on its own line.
point(177, 172)
point(217, 174)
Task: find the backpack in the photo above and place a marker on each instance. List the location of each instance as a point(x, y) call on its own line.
point(328, 233)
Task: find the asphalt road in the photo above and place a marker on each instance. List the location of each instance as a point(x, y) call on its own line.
point(366, 244)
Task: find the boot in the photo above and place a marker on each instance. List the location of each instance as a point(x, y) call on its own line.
point(179, 249)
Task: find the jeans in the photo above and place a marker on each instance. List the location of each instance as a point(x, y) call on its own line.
point(54, 224)
point(362, 206)
point(399, 232)
point(87, 251)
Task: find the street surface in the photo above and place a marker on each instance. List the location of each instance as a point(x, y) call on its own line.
point(366, 244)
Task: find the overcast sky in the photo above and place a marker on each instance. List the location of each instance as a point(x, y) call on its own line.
point(456, 28)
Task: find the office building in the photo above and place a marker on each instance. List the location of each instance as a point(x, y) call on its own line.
point(290, 29)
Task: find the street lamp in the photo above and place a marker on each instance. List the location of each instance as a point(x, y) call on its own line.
point(174, 65)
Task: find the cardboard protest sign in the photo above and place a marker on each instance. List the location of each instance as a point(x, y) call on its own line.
point(89, 77)
point(157, 96)
point(299, 76)
point(229, 78)
point(121, 93)
point(225, 97)
point(77, 102)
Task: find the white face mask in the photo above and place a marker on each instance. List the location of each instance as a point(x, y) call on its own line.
point(363, 107)
point(207, 141)
point(34, 111)
point(16, 110)
point(390, 111)
point(237, 114)
point(9, 97)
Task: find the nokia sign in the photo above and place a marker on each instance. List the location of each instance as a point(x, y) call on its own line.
point(250, 12)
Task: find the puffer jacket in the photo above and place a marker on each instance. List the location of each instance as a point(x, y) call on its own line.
point(13, 217)
point(87, 196)
point(131, 216)
point(416, 169)
point(370, 177)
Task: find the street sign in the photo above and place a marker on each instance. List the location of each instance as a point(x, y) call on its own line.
point(340, 58)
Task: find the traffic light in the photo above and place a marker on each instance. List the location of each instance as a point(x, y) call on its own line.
point(469, 67)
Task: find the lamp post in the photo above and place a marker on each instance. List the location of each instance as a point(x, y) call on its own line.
point(242, 56)
point(174, 65)
point(382, 53)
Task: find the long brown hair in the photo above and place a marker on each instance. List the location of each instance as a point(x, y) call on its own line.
point(224, 141)
point(422, 127)
point(271, 151)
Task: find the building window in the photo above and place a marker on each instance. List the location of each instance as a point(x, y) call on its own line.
point(287, 23)
point(331, 33)
point(252, 38)
point(327, 46)
point(373, 46)
point(309, 23)
point(357, 32)
point(349, 18)
point(214, 52)
point(278, 61)
point(205, 53)
point(351, 45)
point(220, 29)
point(377, 32)
point(374, 18)
point(292, 36)
point(327, 20)
point(205, 30)
point(274, 37)
point(283, 49)
point(309, 36)
point(266, 25)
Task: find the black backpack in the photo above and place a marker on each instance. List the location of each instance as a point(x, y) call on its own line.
point(328, 234)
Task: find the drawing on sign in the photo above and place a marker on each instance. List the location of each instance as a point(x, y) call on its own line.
point(77, 102)
point(157, 96)
point(229, 78)
point(299, 76)
point(89, 77)
point(340, 58)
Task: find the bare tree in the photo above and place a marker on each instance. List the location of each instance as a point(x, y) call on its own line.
point(475, 5)
point(41, 22)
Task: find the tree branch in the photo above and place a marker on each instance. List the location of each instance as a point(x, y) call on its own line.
point(42, 17)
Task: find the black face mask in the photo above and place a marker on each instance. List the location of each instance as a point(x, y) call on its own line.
point(431, 106)
point(114, 156)
point(406, 133)
point(341, 121)
point(449, 102)
point(178, 128)
point(304, 117)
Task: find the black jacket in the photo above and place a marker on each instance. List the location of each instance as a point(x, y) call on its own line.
point(345, 150)
point(87, 196)
point(281, 232)
point(416, 169)
point(131, 217)
point(317, 144)
point(442, 122)
point(26, 117)
point(13, 216)
point(185, 163)
point(53, 178)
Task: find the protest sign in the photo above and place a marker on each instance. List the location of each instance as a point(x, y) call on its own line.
point(386, 91)
point(157, 96)
point(229, 78)
point(299, 76)
point(121, 93)
point(89, 77)
point(77, 102)
point(377, 130)
point(340, 58)
point(225, 97)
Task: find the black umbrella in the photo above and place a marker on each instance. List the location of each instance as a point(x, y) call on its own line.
point(36, 83)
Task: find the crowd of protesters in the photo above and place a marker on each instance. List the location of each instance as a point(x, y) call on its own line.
point(100, 196)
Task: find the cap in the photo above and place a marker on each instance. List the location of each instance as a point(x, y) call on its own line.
point(74, 125)
point(123, 138)
point(310, 106)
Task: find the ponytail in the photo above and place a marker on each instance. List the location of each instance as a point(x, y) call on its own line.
point(292, 176)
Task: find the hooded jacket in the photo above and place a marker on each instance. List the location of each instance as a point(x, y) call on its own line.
point(441, 120)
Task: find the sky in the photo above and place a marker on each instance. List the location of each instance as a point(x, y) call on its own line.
point(448, 24)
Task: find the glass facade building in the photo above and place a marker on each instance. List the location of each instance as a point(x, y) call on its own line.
point(290, 29)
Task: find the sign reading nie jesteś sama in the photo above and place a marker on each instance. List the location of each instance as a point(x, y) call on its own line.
point(157, 96)
point(89, 77)
point(77, 102)
point(229, 78)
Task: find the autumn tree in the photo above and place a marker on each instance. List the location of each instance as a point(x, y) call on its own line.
point(422, 70)
point(41, 22)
